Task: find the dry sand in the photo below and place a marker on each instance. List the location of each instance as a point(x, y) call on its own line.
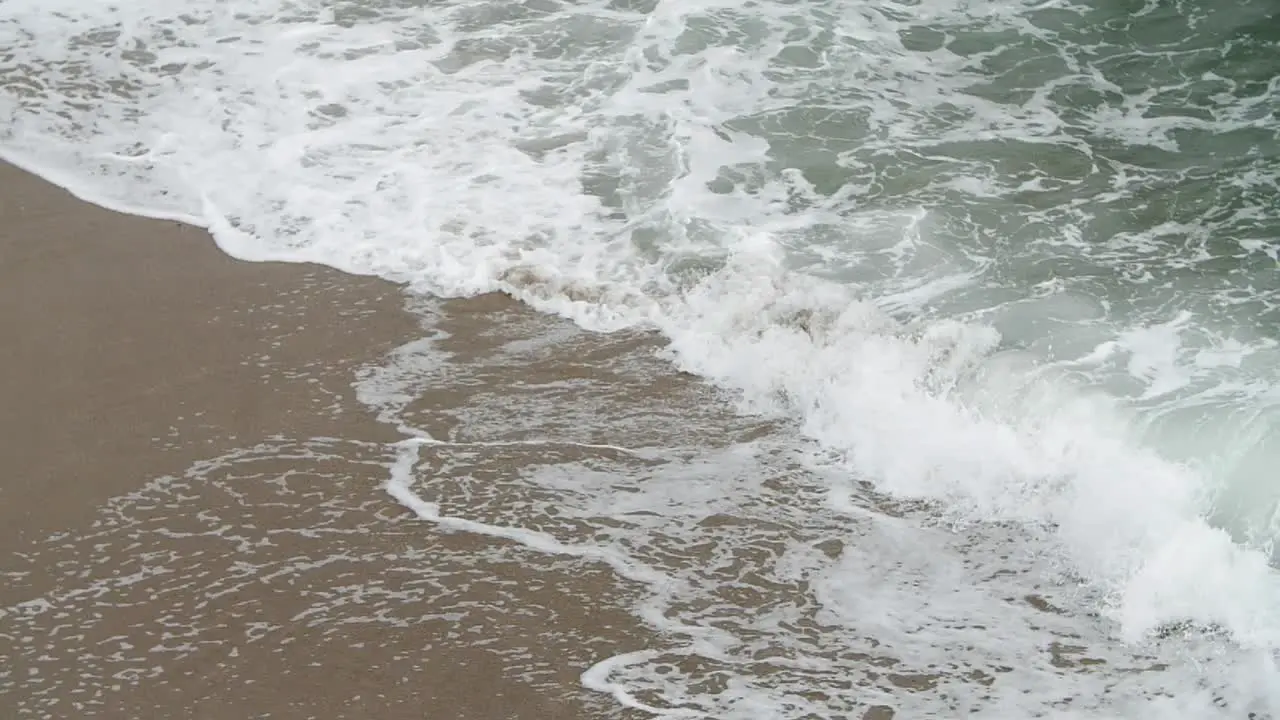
point(191, 519)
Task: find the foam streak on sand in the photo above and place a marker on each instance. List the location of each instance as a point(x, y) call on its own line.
point(403, 477)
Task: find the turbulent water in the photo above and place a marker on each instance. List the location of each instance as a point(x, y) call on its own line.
point(1013, 262)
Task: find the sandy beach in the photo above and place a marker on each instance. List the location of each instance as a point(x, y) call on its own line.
point(241, 490)
point(192, 523)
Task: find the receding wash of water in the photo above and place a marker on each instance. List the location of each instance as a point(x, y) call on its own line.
point(1013, 264)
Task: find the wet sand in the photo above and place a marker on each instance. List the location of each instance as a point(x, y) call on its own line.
point(196, 518)
point(134, 346)
point(192, 523)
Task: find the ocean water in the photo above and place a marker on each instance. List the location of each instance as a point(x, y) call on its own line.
point(1011, 266)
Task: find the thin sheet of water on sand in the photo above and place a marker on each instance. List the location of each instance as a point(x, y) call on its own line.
point(593, 529)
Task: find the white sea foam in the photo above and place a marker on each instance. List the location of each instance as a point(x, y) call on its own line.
point(816, 205)
point(786, 584)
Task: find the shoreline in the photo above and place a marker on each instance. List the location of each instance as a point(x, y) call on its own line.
point(194, 486)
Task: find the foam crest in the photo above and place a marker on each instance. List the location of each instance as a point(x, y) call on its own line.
point(940, 414)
